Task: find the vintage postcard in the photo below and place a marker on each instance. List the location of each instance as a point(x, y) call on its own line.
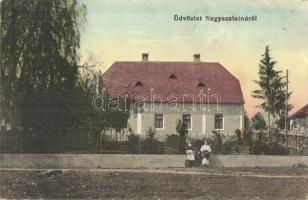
point(154, 99)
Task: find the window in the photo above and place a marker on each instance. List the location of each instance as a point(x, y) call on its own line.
point(138, 83)
point(219, 121)
point(187, 121)
point(159, 121)
point(172, 76)
point(201, 84)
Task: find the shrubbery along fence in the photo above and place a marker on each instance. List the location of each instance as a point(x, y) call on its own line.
point(11, 142)
point(135, 144)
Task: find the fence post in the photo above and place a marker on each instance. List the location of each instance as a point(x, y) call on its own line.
point(139, 144)
point(178, 145)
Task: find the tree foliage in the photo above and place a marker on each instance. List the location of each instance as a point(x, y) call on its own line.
point(271, 87)
point(39, 61)
point(42, 89)
point(182, 131)
point(258, 122)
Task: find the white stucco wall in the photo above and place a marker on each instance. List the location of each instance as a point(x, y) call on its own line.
point(202, 121)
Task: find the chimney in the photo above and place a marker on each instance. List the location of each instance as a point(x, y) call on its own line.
point(196, 57)
point(145, 57)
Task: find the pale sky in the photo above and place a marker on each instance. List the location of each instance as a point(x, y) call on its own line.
point(121, 30)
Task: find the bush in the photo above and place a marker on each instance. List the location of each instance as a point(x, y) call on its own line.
point(275, 149)
point(134, 143)
point(257, 148)
point(228, 147)
point(172, 144)
point(181, 129)
point(269, 149)
point(234, 145)
point(238, 136)
point(151, 145)
point(217, 143)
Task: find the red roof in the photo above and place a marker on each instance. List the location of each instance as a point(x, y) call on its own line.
point(301, 113)
point(176, 78)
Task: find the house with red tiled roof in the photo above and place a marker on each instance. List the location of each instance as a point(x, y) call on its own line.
point(299, 120)
point(205, 96)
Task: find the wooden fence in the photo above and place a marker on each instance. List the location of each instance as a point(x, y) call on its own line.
point(14, 143)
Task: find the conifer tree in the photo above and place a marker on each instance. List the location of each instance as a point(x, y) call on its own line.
point(271, 88)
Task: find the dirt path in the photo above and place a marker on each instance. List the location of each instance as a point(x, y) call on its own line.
point(195, 171)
